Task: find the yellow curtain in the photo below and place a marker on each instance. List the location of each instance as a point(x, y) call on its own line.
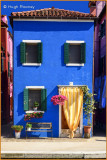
point(72, 107)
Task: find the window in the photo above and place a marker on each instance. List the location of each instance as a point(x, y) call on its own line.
point(74, 53)
point(31, 52)
point(35, 94)
point(102, 29)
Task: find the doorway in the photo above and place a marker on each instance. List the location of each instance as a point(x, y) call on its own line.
point(64, 130)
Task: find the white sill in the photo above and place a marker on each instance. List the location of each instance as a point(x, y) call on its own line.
point(31, 64)
point(32, 41)
point(33, 111)
point(35, 87)
point(75, 64)
point(75, 42)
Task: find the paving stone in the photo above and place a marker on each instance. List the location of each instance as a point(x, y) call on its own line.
point(11, 155)
point(48, 156)
point(100, 155)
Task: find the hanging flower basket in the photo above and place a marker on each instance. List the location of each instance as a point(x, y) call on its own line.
point(29, 116)
point(58, 99)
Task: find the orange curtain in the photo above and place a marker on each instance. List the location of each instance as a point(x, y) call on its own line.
point(72, 107)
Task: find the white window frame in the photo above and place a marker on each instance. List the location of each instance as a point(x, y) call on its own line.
point(34, 88)
point(74, 42)
point(31, 64)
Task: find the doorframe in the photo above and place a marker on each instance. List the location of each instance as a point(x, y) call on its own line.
point(60, 118)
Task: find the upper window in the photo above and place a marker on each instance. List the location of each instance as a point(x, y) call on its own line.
point(31, 52)
point(102, 29)
point(74, 53)
point(35, 98)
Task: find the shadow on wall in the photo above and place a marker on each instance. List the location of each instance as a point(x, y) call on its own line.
point(51, 26)
point(18, 56)
point(5, 101)
point(20, 108)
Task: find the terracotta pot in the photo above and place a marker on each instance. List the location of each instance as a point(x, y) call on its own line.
point(87, 129)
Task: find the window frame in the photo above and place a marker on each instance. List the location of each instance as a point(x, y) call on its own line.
point(34, 88)
point(76, 43)
point(31, 41)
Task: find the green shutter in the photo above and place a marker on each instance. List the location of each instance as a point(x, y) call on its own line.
point(8, 69)
point(23, 52)
point(83, 52)
point(39, 45)
point(26, 99)
point(43, 99)
point(66, 53)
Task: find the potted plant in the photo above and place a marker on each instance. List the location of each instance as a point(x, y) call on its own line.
point(17, 129)
point(36, 105)
point(28, 126)
point(88, 100)
point(58, 99)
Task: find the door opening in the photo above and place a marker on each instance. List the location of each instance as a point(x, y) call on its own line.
point(70, 113)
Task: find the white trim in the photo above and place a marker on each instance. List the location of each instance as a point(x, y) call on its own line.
point(59, 120)
point(31, 41)
point(71, 86)
point(55, 20)
point(81, 122)
point(31, 64)
point(35, 87)
point(33, 111)
point(75, 64)
point(70, 41)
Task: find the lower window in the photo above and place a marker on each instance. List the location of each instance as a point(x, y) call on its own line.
point(35, 98)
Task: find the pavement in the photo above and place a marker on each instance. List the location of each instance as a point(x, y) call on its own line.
point(80, 148)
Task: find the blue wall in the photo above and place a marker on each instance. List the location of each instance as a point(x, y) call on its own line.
point(53, 71)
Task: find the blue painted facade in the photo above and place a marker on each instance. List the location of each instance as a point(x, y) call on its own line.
point(53, 71)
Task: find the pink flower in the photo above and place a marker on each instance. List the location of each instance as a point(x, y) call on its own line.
point(58, 99)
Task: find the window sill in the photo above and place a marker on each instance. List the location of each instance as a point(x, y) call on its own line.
point(31, 64)
point(33, 111)
point(75, 64)
point(35, 87)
